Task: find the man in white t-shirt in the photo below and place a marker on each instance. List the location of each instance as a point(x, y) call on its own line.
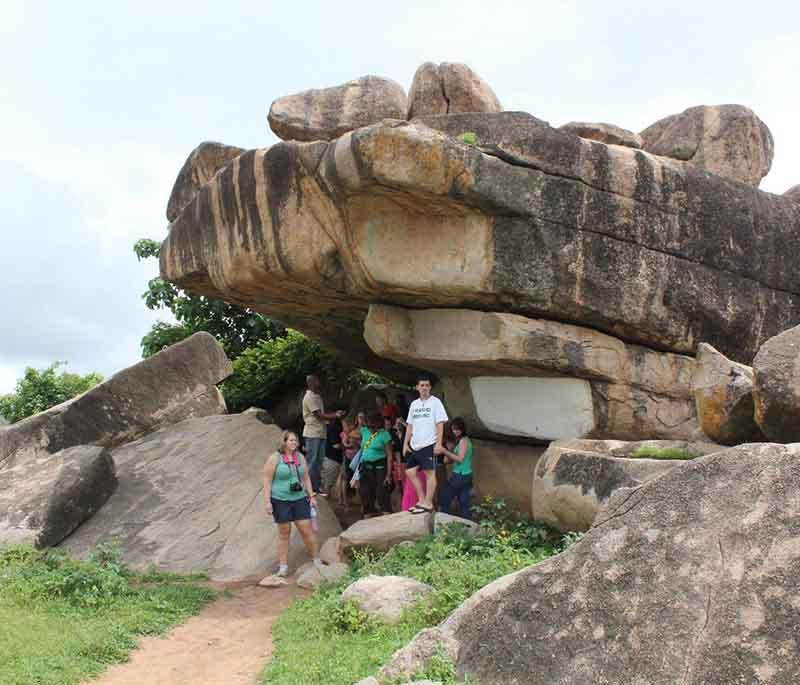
point(423, 443)
point(314, 433)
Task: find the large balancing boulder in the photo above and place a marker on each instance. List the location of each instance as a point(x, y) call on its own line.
point(728, 140)
point(690, 578)
point(574, 479)
point(448, 88)
point(177, 383)
point(327, 113)
point(190, 499)
point(723, 392)
point(43, 499)
point(532, 221)
point(776, 387)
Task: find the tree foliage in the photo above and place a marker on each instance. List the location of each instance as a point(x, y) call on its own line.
point(236, 328)
point(40, 389)
point(273, 367)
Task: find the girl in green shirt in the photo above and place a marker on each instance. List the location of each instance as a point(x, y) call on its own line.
point(375, 467)
point(460, 483)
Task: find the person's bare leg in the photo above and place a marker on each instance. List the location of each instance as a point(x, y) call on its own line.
point(430, 487)
point(307, 533)
point(284, 533)
point(411, 474)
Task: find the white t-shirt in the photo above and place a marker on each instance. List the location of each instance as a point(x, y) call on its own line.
point(424, 416)
point(314, 427)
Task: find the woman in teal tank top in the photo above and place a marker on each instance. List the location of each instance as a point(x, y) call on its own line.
point(460, 483)
point(289, 495)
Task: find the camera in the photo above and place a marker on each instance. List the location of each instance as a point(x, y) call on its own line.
point(295, 487)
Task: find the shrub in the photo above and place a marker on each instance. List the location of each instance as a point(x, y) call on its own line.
point(469, 138)
point(662, 453)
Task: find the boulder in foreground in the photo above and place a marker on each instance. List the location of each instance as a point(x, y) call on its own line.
point(42, 500)
point(575, 478)
point(690, 578)
point(386, 597)
point(327, 113)
point(177, 383)
point(384, 532)
point(190, 499)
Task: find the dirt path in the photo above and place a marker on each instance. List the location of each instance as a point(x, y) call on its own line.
point(228, 643)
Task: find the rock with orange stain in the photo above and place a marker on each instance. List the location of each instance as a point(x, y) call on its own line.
point(723, 393)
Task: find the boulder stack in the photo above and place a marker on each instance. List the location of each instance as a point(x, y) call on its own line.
point(448, 88)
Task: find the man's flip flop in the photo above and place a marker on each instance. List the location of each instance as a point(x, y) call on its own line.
point(418, 509)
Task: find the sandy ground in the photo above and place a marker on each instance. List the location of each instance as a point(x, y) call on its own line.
point(228, 643)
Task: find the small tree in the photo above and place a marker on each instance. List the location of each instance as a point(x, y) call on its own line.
point(40, 389)
point(236, 328)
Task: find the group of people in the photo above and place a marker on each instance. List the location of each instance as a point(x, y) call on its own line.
point(394, 457)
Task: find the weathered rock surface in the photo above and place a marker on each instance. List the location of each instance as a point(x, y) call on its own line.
point(504, 471)
point(442, 520)
point(536, 222)
point(384, 532)
point(690, 578)
point(310, 576)
point(729, 140)
point(190, 499)
point(448, 88)
point(43, 499)
point(776, 387)
point(575, 478)
point(793, 193)
point(385, 597)
point(723, 392)
point(539, 379)
point(329, 551)
point(174, 384)
point(327, 113)
point(198, 169)
point(603, 133)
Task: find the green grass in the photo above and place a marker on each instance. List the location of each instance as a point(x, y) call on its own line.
point(469, 138)
point(63, 620)
point(662, 453)
point(322, 639)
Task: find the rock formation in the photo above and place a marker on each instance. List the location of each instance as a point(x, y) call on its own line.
point(723, 392)
point(578, 277)
point(198, 169)
point(604, 133)
point(793, 193)
point(729, 140)
point(448, 88)
point(45, 498)
point(776, 387)
point(689, 578)
point(385, 597)
point(574, 479)
point(190, 499)
point(168, 387)
point(327, 113)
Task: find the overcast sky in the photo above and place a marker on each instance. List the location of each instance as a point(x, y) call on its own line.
point(101, 102)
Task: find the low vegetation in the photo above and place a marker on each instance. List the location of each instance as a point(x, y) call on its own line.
point(662, 453)
point(322, 639)
point(63, 620)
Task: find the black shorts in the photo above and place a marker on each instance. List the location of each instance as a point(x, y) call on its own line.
point(424, 458)
point(286, 511)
